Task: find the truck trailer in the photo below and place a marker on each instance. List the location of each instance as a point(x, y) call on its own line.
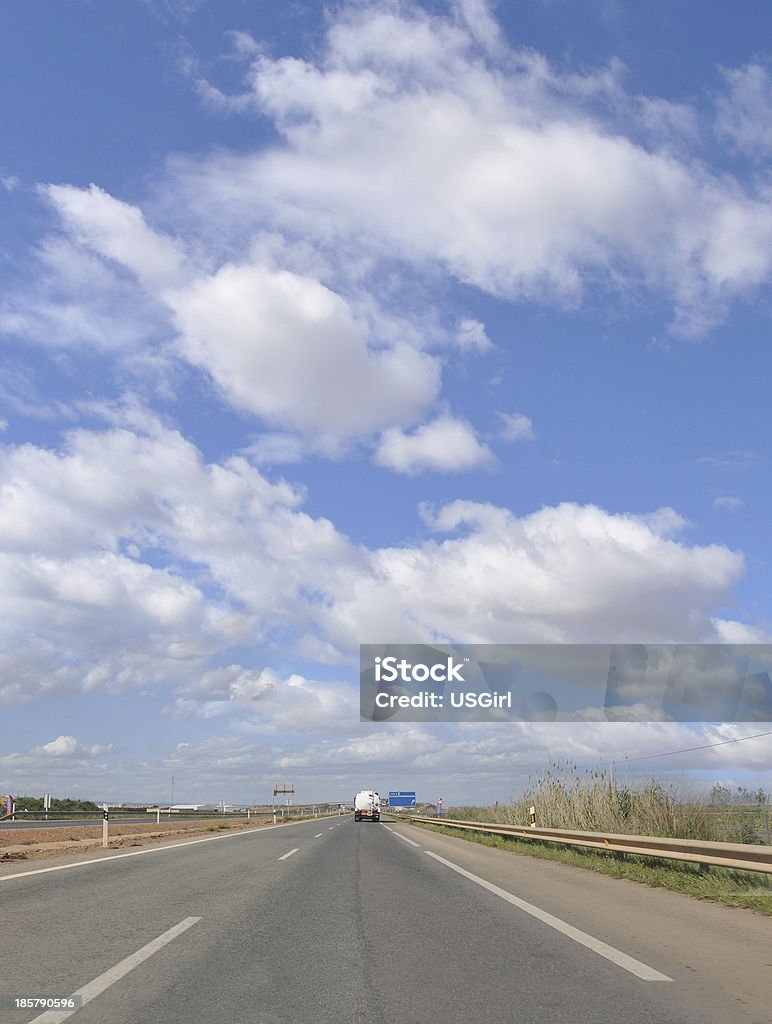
point(367, 806)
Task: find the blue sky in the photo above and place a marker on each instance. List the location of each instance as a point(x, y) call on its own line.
point(328, 324)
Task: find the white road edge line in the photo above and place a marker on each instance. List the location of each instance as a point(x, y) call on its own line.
point(616, 956)
point(290, 853)
point(104, 981)
point(400, 836)
point(142, 853)
point(390, 829)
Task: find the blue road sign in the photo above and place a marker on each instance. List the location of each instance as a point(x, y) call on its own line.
point(402, 799)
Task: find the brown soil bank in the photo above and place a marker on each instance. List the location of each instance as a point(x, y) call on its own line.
point(38, 843)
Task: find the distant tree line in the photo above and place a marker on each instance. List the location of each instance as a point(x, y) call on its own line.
point(35, 803)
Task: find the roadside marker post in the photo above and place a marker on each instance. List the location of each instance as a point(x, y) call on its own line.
point(105, 825)
point(532, 816)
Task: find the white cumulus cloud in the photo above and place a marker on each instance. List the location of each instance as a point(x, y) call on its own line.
point(422, 136)
point(68, 746)
point(118, 231)
point(569, 573)
point(516, 426)
point(728, 502)
point(128, 561)
point(445, 445)
point(288, 349)
point(744, 112)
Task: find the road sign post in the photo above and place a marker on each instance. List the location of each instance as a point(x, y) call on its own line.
point(282, 789)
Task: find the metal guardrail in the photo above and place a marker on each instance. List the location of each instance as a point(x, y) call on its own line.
point(729, 855)
point(37, 817)
point(144, 814)
point(107, 817)
point(165, 815)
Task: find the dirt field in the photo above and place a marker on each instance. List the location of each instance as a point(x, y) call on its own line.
point(39, 843)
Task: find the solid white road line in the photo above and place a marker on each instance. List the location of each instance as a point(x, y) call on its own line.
point(143, 853)
point(628, 963)
point(390, 829)
point(104, 981)
point(400, 836)
point(290, 853)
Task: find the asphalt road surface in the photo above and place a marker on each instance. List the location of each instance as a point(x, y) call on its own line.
point(334, 921)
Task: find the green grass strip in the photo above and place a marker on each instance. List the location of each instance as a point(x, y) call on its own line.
point(732, 888)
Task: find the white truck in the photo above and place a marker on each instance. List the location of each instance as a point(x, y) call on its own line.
point(367, 806)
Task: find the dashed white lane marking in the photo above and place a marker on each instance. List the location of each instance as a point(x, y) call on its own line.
point(146, 853)
point(290, 853)
point(104, 981)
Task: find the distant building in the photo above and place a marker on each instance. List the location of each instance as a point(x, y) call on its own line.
point(194, 807)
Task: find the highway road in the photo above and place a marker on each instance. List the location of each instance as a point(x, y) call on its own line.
point(334, 921)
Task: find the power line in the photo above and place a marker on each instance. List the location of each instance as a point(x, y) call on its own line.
point(684, 750)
